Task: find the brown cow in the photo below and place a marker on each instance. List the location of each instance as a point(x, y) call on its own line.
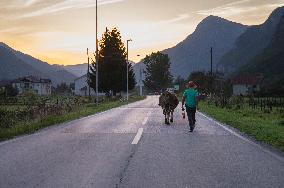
point(168, 101)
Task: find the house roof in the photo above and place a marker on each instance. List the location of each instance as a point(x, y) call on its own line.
point(32, 79)
point(247, 80)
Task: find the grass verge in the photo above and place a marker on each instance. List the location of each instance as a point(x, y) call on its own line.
point(35, 125)
point(264, 127)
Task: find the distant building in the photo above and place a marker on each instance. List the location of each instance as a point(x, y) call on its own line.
point(246, 84)
point(81, 87)
point(31, 83)
point(4, 83)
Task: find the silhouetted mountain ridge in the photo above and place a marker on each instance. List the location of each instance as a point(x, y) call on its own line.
point(252, 42)
point(15, 64)
point(193, 53)
point(270, 62)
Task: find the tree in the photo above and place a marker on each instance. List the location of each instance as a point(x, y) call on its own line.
point(11, 91)
point(157, 73)
point(208, 83)
point(181, 82)
point(112, 65)
point(202, 80)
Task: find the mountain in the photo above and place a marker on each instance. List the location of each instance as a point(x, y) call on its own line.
point(251, 43)
point(270, 62)
point(12, 67)
point(193, 53)
point(15, 64)
point(78, 70)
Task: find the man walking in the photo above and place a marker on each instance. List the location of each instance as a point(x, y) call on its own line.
point(191, 102)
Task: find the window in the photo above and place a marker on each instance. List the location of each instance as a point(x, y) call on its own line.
point(27, 85)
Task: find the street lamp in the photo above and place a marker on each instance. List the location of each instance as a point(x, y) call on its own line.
point(127, 95)
point(97, 58)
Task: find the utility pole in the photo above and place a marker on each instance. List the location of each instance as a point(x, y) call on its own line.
point(127, 94)
point(88, 73)
point(97, 58)
point(211, 71)
point(211, 52)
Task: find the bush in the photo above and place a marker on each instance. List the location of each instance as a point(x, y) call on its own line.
point(9, 118)
point(30, 98)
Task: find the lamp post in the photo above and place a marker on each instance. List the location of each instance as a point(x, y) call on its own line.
point(88, 73)
point(127, 95)
point(97, 59)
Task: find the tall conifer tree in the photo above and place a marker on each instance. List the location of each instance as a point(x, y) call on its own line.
point(112, 65)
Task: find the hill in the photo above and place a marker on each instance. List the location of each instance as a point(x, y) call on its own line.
point(16, 64)
point(251, 43)
point(270, 62)
point(193, 53)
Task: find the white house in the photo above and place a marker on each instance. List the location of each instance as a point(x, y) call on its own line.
point(82, 88)
point(31, 83)
point(246, 84)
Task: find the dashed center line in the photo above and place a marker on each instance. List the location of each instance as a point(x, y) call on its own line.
point(137, 137)
point(145, 120)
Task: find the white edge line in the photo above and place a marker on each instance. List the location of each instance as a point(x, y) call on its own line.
point(137, 137)
point(244, 138)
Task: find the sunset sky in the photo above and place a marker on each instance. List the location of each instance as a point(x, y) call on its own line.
point(59, 31)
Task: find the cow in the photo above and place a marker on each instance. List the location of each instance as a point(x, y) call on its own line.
point(168, 101)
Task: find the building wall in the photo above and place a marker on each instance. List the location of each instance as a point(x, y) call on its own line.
point(244, 89)
point(240, 89)
point(38, 88)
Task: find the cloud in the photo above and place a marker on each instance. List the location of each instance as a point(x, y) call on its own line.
point(30, 2)
point(68, 5)
point(228, 9)
point(177, 19)
point(239, 7)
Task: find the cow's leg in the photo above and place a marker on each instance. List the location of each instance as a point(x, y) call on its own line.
point(166, 122)
point(167, 118)
point(172, 116)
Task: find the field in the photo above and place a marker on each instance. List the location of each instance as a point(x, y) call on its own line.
point(266, 126)
point(20, 118)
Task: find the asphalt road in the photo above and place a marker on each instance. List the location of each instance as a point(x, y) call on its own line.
point(100, 151)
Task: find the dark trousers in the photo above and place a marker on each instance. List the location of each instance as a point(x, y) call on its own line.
point(191, 116)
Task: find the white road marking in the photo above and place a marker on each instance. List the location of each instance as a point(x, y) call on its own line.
point(275, 155)
point(137, 137)
point(64, 124)
point(145, 120)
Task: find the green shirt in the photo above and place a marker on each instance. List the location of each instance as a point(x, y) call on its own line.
point(190, 97)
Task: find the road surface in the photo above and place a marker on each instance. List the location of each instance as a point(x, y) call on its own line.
point(131, 147)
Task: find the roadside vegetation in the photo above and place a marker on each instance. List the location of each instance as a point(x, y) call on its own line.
point(259, 115)
point(266, 126)
point(29, 113)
